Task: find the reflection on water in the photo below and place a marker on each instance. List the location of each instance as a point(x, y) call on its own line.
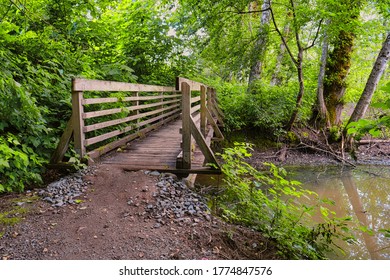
point(362, 193)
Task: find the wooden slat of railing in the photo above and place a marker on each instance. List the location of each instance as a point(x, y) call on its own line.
point(195, 109)
point(101, 125)
point(89, 101)
point(216, 129)
point(96, 85)
point(195, 99)
point(100, 138)
point(101, 113)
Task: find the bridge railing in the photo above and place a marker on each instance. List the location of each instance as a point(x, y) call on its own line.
point(103, 111)
point(107, 115)
point(200, 119)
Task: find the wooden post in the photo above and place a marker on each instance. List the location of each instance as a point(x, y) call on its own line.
point(78, 122)
point(203, 119)
point(177, 83)
point(162, 106)
point(186, 125)
point(209, 96)
point(136, 103)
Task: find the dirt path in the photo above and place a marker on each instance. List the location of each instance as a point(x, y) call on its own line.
point(104, 225)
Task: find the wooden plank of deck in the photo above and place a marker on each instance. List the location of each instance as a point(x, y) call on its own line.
point(158, 150)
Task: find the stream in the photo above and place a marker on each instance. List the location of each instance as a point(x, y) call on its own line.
point(362, 193)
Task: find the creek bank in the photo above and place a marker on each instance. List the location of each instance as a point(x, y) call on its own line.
point(375, 154)
point(305, 146)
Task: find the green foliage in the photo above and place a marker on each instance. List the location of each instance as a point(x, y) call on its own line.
point(19, 164)
point(267, 108)
point(45, 43)
point(386, 232)
point(376, 127)
point(268, 202)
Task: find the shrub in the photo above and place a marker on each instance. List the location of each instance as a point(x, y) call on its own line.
point(268, 202)
point(19, 164)
point(266, 108)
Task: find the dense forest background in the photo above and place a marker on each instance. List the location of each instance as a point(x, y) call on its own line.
point(275, 64)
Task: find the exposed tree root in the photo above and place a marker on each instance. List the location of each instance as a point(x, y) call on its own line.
point(316, 141)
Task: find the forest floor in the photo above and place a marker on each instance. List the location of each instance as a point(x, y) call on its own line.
point(103, 224)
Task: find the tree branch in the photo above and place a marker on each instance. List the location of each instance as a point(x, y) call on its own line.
point(316, 37)
point(6, 13)
point(249, 12)
point(282, 37)
point(299, 46)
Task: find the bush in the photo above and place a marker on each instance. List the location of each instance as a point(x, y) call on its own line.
point(269, 203)
point(266, 108)
point(19, 164)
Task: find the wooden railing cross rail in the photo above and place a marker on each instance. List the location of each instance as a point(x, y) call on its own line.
point(97, 118)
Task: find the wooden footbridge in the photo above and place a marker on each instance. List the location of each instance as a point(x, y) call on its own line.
point(149, 127)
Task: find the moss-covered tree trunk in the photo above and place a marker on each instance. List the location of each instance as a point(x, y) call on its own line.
point(342, 27)
point(338, 65)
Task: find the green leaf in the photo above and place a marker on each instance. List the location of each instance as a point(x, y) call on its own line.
point(4, 163)
point(324, 211)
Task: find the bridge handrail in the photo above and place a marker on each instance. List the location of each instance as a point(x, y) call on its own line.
point(162, 105)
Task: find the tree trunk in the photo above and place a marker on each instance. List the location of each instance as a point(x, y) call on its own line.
point(251, 8)
point(372, 82)
point(260, 45)
point(301, 92)
point(320, 112)
point(276, 79)
point(339, 63)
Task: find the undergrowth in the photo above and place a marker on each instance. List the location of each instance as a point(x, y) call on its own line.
point(267, 202)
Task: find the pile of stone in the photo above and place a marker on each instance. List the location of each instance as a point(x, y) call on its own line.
point(67, 189)
point(175, 201)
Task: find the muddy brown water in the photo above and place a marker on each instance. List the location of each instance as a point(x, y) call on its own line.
point(362, 193)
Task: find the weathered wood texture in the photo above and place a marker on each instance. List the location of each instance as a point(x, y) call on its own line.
point(195, 86)
point(96, 85)
point(148, 120)
point(158, 151)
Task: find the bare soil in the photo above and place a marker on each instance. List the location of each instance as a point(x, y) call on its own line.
point(104, 226)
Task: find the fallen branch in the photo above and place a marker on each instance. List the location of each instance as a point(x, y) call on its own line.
point(373, 141)
point(337, 157)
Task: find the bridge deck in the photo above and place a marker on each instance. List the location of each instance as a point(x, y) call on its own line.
point(152, 137)
point(158, 150)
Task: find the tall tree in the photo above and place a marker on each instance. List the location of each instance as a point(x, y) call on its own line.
point(297, 24)
point(276, 79)
point(372, 82)
point(339, 60)
point(320, 112)
point(260, 44)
